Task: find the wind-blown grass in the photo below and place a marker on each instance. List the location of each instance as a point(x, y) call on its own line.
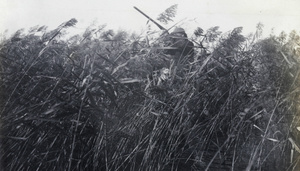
point(91, 103)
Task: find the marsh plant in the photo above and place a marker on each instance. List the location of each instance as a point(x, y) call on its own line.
point(99, 101)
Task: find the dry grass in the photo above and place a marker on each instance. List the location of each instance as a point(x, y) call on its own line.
point(94, 104)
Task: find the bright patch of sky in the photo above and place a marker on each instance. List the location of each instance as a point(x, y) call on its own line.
point(275, 15)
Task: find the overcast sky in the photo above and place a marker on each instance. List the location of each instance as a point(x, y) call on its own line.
point(119, 14)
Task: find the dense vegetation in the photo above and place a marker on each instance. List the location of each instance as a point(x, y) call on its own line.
point(99, 101)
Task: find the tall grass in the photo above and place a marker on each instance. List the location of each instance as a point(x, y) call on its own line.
point(94, 103)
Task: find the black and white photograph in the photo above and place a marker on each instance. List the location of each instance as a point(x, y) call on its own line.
point(149, 85)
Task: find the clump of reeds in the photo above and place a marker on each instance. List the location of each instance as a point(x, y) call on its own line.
point(94, 103)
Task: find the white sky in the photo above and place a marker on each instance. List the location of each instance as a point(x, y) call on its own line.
point(274, 14)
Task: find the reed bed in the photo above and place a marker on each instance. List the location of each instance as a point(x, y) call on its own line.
point(92, 102)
